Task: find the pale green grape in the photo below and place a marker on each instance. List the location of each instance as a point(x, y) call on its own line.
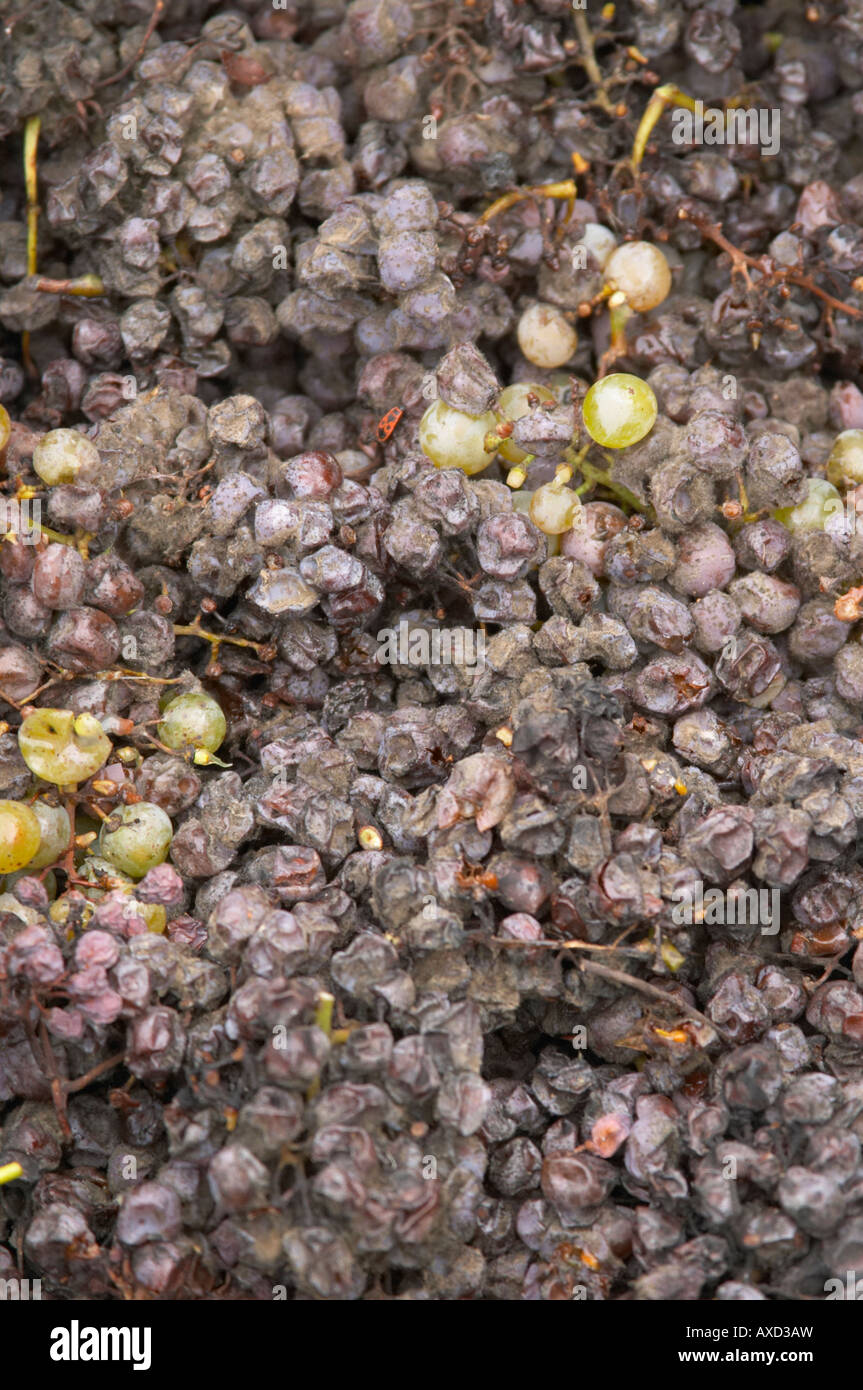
point(193, 722)
point(136, 838)
point(5, 428)
point(813, 513)
point(56, 833)
point(452, 439)
point(600, 241)
point(640, 272)
point(619, 410)
point(512, 404)
point(845, 464)
point(63, 747)
point(545, 335)
point(554, 508)
point(65, 456)
point(19, 836)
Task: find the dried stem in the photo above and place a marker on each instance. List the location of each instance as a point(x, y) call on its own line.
point(158, 9)
point(31, 184)
point(660, 100)
point(620, 977)
point(588, 58)
point(564, 189)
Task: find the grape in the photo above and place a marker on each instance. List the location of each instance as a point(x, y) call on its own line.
point(512, 404)
point(19, 836)
point(815, 511)
point(63, 747)
point(845, 464)
point(554, 508)
point(545, 336)
point(5, 428)
point(600, 241)
point(619, 410)
point(65, 456)
point(56, 833)
point(640, 272)
point(452, 439)
point(136, 838)
point(193, 721)
point(95, 868)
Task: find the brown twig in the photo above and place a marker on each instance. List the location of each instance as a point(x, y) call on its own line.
point(620, 977)
point(148, 34)
point(773, 274)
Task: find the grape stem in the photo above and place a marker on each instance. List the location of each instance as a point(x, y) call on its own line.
point(565, 189)
point(772, 274)
point(663, 97)
point(595, 477)
point(591, 66)
point(195, 630)
point(31, 183)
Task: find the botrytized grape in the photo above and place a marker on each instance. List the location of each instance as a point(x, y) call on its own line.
point(65, 456)
point(452, 439)
point(512, 404)
point(845, 464)
point(193, 723)
point(812, 514)
point(63, 747)
point(640, 272)
point(545, 336)
point(136, 838)
point(56, 833)
point(19, 836)
point(5, 427)
point(619, 410)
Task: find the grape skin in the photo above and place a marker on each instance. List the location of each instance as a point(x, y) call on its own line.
point(136, 838)
point(512, 405)
point(452, 439)
point(62, 747)
point(619, 410)
point(641, 273)
point(19, 836)
point(813, 513)
point(193, 721)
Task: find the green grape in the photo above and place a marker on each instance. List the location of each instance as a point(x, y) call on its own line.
point(56, 834)
point(545, 336)
point(619, 410)
point(512, 403)
point(845, 464)
point(19, 836)
point(452, 439)
point(136, 838)
point(65, 456)
point(554, 508)
point(813, 513)
point(94, 868)
point(5, 428)
point(640, 272)
point(193, 722)
point(63, 747)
